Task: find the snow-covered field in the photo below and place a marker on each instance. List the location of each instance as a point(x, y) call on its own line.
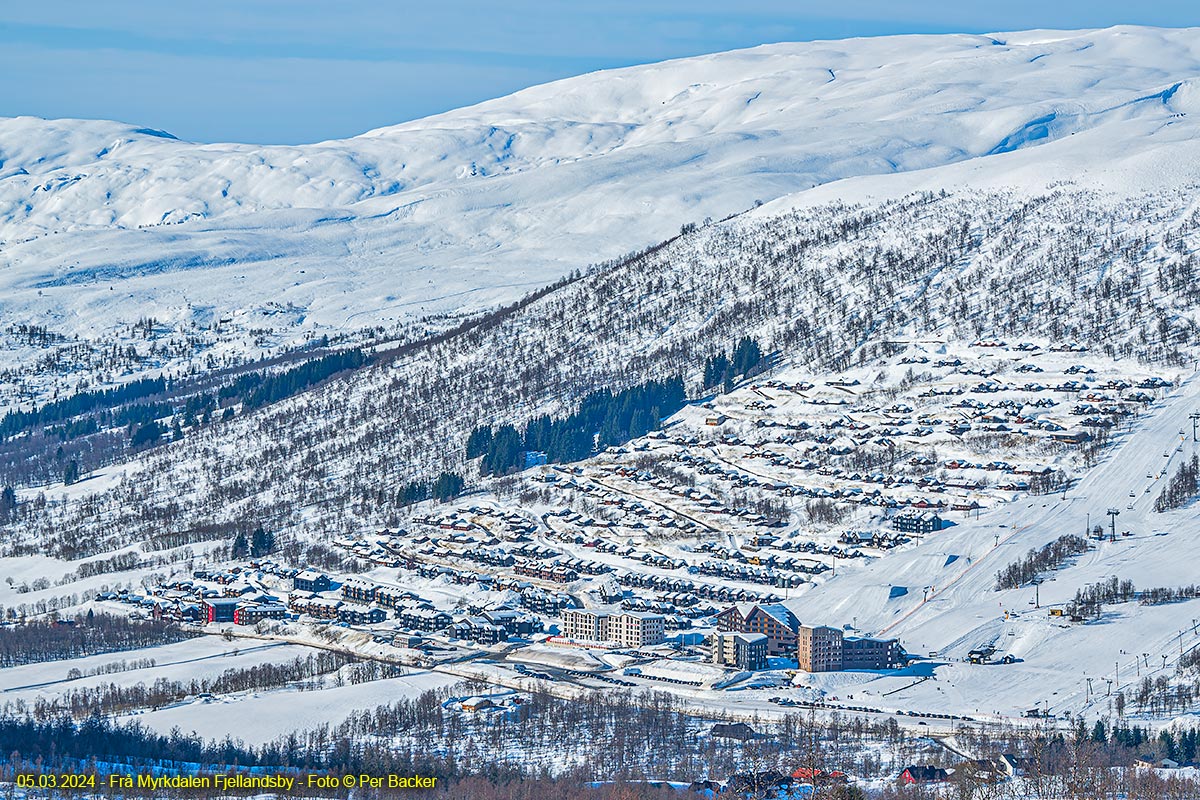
point(265, 716)
point(199, 658)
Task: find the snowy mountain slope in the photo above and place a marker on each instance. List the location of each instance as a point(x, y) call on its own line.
point(986, 228)
point(1108, 269)
point(963, 611)
point(103, 222)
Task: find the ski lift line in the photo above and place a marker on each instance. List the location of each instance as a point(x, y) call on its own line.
point(1135, 668)
point(1095, 476)
point(1015, 531)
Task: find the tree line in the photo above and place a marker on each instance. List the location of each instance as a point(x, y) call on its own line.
point(257, 389)
point(260, 543)
point(565, 747)
point(1089, 601)
point(746, 361)
point(78, 404)
point(95, 428)
point(37, 641)
point(304, 673)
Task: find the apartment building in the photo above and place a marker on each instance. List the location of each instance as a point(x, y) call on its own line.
point(624, 629)
point(821, 648)
point(744, 651)
point(775, 621)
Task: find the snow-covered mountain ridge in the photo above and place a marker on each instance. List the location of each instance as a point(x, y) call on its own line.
point(475, 206)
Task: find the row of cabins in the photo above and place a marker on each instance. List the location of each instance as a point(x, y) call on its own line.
point(547, 572)
point(314, 606)
point(751, 574)
point(489, 628)
point(366, 592)
point(513, 524)
point(801, 546)
point(326, 608)
point(479, 630)
point(721, 594)
point(605, 496)
point(176, 610)
point(542, 601)
point(877, 539)
point(532, 597)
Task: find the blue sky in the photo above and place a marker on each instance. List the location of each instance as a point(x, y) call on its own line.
point(302, 71)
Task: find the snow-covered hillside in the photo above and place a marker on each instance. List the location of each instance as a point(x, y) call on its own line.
point(102, 222)
point(922, 194)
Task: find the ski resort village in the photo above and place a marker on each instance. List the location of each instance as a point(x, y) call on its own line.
point(750, 556)
point(816, 420)
point(682, 559)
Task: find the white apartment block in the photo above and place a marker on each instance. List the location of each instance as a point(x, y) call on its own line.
point(624, 629)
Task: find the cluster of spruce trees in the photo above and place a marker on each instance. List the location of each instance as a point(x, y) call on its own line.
point(446, 486)
point(1175, 744)
point(746, 360)
point(253, 390)
point(82, 403)
point(604, 418)
point(257, 389)
point(8, 502)
point(260, 543)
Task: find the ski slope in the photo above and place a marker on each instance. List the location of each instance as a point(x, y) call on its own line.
point(963, 611)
